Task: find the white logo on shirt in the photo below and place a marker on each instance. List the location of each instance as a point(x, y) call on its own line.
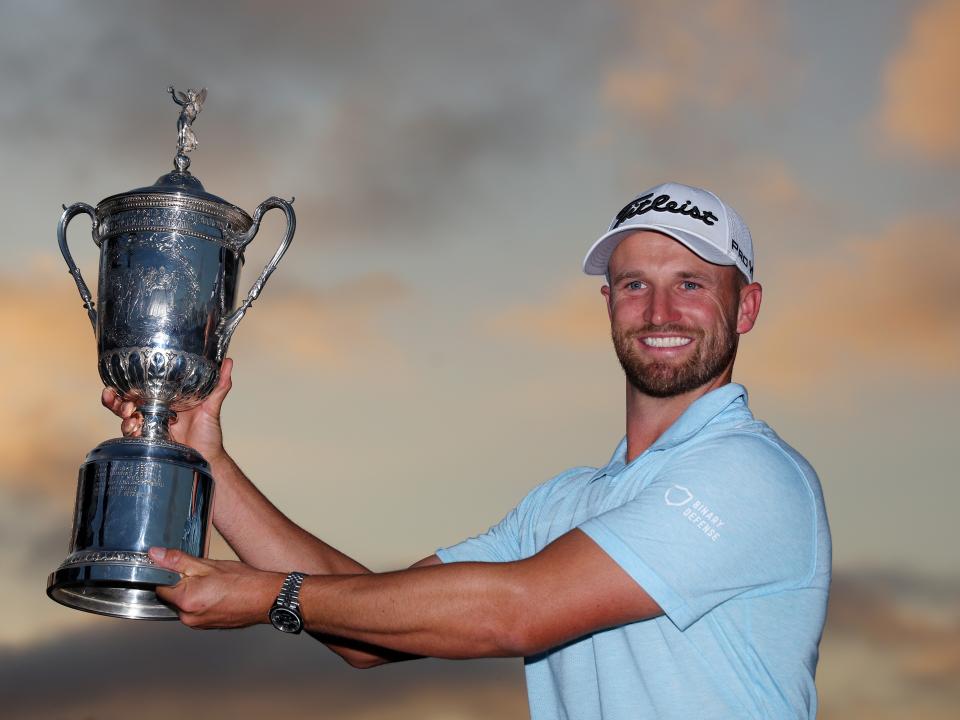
point(698, 514)
point(677, 495)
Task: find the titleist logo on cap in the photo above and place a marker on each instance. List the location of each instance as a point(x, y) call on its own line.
point(662, 203)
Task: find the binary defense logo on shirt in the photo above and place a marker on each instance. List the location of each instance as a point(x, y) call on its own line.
point(677, 495)
point(697, 513)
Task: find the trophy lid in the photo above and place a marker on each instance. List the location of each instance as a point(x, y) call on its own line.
point(175, 192)
point(180, 180)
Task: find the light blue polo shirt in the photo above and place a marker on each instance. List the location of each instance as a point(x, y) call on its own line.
point(723, 524)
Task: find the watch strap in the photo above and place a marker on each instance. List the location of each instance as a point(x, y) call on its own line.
point(285, 613)
point(289, 596)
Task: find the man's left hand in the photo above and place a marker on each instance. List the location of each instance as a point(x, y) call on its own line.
point(217, 593)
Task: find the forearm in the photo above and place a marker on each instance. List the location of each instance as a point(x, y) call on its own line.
point(568, 590)
point(462, 610)
point(264, 537)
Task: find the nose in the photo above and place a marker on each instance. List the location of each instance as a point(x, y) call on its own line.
point(661, 310)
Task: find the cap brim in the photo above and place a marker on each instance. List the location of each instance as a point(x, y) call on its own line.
point(598, 256)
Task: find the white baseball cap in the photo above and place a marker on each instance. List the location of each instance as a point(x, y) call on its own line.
point(690, 215)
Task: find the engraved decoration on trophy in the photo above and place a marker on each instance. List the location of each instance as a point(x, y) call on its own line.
point(170, 259)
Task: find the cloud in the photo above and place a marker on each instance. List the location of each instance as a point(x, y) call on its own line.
point(50, 393)
point(771, 183)
point(920, 110)
point(884, 304)
point(575, 317)
point(391, 174)
point(885, 654)
point(691, 56)
point(340, 329)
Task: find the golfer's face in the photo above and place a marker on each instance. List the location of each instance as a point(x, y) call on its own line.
point(673, 315)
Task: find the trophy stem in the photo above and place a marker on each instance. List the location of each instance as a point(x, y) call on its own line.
point(156, 421)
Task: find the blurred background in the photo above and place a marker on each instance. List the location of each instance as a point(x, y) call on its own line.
point(428, 350)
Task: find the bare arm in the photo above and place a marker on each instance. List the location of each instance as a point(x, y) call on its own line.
point(464, 610)
point(367, 654)
point(460, 610)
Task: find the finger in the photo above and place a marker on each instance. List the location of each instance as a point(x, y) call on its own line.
point(181, 562)
point(115, 403)
point(226, 379)
point(215, 400)
point(172, 594)
point(183, 598)
point(130, 427)
point(178, 597)
point(110, 400)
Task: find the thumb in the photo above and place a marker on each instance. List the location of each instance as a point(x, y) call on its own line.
point(178, 561)
point(219, 393)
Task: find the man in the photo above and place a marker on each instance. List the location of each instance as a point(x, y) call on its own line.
point(686, 578)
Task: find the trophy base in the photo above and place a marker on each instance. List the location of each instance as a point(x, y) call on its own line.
point(134, 603)
point(118, 589)
point(133, 494)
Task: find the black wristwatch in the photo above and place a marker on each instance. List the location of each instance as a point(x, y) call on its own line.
point(285, 614)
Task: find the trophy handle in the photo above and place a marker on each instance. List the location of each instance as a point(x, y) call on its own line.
point(68, 215)
point(229, 324)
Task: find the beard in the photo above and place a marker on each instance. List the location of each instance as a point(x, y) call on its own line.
point(713, 354)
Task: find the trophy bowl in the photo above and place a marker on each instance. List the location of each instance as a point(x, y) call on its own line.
point(170, 259)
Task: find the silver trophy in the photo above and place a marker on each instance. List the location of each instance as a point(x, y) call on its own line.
point(170, 259)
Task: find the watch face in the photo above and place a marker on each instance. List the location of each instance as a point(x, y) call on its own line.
point(285, 620)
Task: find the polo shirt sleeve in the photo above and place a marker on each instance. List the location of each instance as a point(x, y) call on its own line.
point(734, 516)
point(504, 542)
point(501, 543)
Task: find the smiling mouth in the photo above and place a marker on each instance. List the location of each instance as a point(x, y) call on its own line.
point(666, 342)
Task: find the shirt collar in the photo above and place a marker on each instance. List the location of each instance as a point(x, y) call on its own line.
point(701, 411)
point(618, 461)
point(693, 420)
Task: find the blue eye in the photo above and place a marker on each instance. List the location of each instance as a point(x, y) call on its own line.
point(635, 285)
point(690, 285)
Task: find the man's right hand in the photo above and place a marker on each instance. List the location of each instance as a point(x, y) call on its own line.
point(198, 428)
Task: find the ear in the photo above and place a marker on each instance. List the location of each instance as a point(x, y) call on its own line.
point(605, 291)
point(749, 307)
